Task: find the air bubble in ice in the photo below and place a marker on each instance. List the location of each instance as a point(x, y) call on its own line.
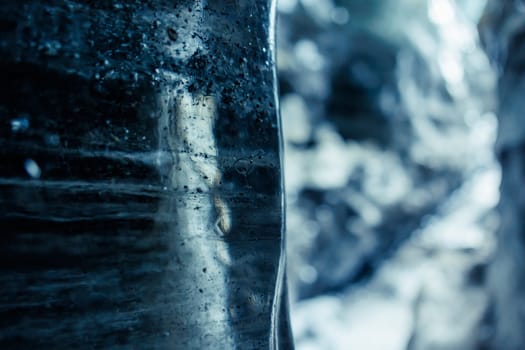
point(51, 47)
point(19, 124)
point(52, 139)
point(32, 168)
point(340, 15)
point(243, 166)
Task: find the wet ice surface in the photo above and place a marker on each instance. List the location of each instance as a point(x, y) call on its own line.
point(391, 178)
point(140, 180)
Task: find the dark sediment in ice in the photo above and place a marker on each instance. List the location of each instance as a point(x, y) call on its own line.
point(140, 185)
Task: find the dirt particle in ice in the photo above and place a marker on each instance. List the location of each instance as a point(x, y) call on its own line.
point(172, 34)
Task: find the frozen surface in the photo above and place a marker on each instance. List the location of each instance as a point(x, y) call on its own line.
point(140, 181)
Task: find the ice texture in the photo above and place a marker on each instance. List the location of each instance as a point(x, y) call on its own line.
point(140, 179)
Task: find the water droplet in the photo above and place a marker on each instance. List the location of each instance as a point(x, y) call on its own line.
point(32, 168)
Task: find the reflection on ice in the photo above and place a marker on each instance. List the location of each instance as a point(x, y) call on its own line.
point(451, 68)
point(286, 6)
point(441, 11)
point(308, 55)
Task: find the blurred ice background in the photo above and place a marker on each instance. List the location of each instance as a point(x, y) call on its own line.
point(389, 125)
